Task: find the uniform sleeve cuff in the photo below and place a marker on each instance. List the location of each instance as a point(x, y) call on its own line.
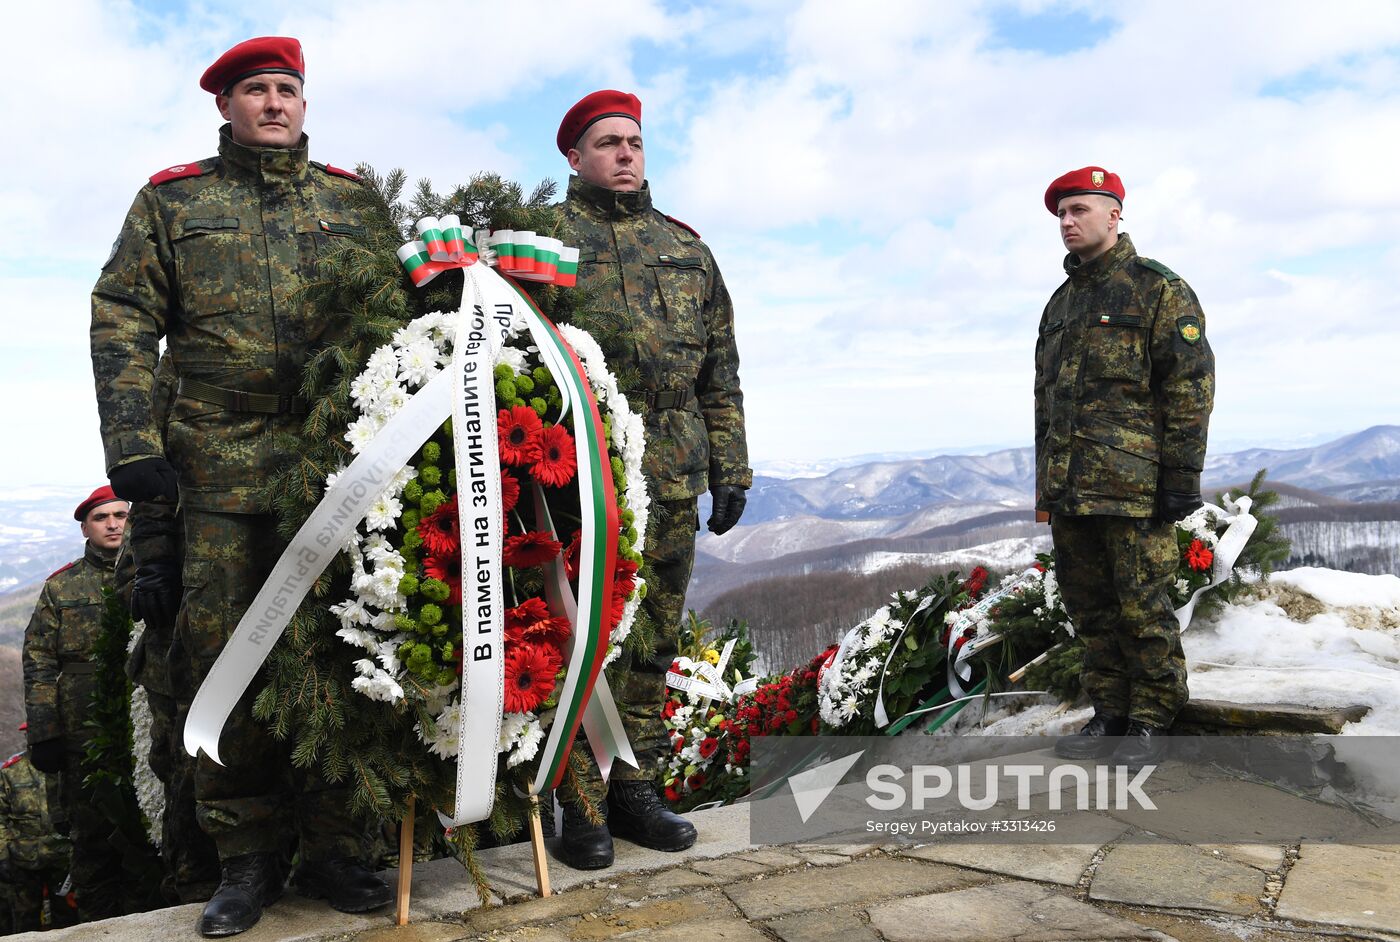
point(1183, 482)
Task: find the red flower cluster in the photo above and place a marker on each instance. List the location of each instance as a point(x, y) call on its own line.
point(976, 581)
point(441, 531)
point(530, 549)
point(518, 432)
point(1199, 557)
point(530, 622)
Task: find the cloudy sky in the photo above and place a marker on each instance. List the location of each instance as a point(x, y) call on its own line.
point(871, 184)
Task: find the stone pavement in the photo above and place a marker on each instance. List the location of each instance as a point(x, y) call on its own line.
point(1110, 882)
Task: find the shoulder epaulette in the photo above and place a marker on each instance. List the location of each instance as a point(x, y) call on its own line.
point(178, 172)
point(1159, 268)
point(63, 568)
point(684, 226)
point(12, 760)
point(338, 171)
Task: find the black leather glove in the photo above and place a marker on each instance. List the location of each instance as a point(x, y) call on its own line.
point(727, 506)
point(47, 756)
point(145, 479)
point(1174, 505)
point(155, 595)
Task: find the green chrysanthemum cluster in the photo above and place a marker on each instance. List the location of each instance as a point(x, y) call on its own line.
point(430, 651)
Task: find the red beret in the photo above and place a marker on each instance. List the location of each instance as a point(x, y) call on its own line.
point(103, 495)
point(251, 57)
point(595, 107)
point(1085, 180)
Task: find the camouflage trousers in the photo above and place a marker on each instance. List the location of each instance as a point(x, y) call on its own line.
point(639, 683)
point(1115, 576)
point(189, 856)
point(258, 802)
point(99, 882)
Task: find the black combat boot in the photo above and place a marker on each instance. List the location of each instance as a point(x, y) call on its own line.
point(1142, 745)
point(343, 882)
point(1098, 738)
point(249, 882)
point(584, 846)
point(635, 813)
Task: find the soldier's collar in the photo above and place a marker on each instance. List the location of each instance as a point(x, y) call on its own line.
point(99, 557)
point(1119, 252)
point(268, 164)
point(611, 204)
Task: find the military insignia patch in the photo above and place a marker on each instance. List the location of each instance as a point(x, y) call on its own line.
point(1189, 328)
point(1097, 177)
point(115, 247)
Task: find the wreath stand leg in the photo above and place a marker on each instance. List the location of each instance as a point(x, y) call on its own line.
point(537, 846)
point(405, 863)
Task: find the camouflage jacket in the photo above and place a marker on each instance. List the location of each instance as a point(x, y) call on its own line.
point(679, 335)
point(61, 633)
point(1124, 384)
point(212, 257)
point(27, 834)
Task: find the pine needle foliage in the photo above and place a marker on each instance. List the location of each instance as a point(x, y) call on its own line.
point(364, 296)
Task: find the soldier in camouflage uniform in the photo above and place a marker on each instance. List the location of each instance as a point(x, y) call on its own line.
point(58, 688)
point(33, 855)
point(148, 576)
point(654, 273)
point(1124, 383)
point(212, 257)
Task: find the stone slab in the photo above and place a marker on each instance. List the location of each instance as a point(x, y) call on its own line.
point(716, 930)
point(1004, 912)
point(664, 883)
point(417, 932)
point(1263, 856)
point(838, 926)
point(1174, 875)
point(1232, 811)
point(547, 909)
point(1357, 887)
point(729, 868)
point(651, 917)
point(772, 859)
point(859, 881)
point(821, 859)
point(1218, 715)
point(1083, 834)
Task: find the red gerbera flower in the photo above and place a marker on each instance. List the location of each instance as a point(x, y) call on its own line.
point(518, 434)
point(1198, 556)
point(556, 465)
point(625, 576)
point(672, 795)
point(708, 745)
point(976, 581)
point(530, 621)
point(532, 549)
point(446, 569)
point(696, 781)
point(510, 496)
point(440, 530)
point(530, 670)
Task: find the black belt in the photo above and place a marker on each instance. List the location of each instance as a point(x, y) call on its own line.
point(667, 398)
point(79, 667)
point(236, 400)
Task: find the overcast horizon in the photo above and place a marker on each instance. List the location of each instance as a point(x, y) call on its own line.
point(870, 184)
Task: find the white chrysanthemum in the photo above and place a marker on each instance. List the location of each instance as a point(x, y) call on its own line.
point(527, 744)
point(351, 613)
point(417, 362)
point(511, 727)
point(513, 357)
point(362, 431)
point(383, 513)
point(441, 738)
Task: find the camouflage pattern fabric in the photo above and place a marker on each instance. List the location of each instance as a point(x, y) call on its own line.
point(640, 683)
point(66, 622)
point(1115, 576)
point(214, 261)
point(664, 282)
point(258, 802)
point(1124, 384)
point(33, 855)
point(155, 531)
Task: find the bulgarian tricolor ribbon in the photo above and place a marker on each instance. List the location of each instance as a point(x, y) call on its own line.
point(443, 244)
